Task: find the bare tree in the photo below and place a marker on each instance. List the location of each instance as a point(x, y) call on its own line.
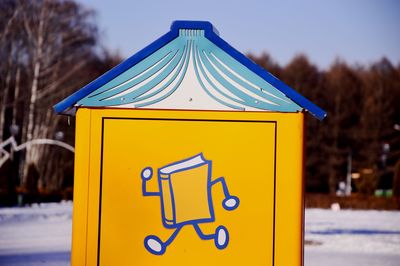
point(60, 37)
point(307, 79)
point(9, 47)
point(47, 45)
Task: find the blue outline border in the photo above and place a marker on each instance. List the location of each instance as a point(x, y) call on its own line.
point(210, 33)
point(186, 120)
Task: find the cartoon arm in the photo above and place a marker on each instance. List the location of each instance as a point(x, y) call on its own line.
point(230, 202)
point(147, 174)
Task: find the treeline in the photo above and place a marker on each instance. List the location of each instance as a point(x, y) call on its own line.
point(363, 105)
point(48, 49)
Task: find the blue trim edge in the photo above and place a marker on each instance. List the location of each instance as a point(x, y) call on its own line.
point(210, 33)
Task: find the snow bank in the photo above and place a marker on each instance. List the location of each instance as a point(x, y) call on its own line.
point(36, 229)
point(41, 235)
point(354, 231)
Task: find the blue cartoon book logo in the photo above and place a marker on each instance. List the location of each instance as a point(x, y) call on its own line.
point(185, 194)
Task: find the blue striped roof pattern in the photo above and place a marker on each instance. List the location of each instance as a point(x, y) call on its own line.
point(166, 59)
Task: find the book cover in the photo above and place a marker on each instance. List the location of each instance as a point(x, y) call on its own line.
point(185, 192)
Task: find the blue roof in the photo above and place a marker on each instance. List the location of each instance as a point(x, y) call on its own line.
point(211, 56)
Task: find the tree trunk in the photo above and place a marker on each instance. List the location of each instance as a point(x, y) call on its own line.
point(30, 158)
point(16, 96)
point(4, 101)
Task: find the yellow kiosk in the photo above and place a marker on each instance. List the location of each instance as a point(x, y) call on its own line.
point(188, 153)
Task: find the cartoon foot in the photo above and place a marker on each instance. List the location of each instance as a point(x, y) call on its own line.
point(230, 203)
point(154, 245)
point(221, 237)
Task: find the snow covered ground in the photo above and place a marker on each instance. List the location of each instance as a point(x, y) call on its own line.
point(41, 235)
point(352, 237)
point(37, 235)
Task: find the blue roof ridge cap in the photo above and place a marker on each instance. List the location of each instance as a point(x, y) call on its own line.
point(208, 27)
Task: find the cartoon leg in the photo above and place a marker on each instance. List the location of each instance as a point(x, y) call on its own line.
point(221, 236)
point(154, 244)
point(230, 202)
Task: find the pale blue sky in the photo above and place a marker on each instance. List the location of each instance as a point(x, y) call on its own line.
point(358, 31)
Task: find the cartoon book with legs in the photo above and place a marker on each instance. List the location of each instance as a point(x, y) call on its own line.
point(185, 194)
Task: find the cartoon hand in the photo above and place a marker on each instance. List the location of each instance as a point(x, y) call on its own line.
point(230, 203)
point(147, 173)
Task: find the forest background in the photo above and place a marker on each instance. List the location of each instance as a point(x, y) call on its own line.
point(49, 49)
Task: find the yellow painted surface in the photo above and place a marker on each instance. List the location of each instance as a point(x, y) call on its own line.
point(289, 187)
point(81, 183)
point(253, 152)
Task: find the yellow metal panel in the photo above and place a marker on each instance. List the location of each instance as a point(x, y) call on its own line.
point(258, 155)
point(81, 183)
point(95, 187)
point(289, 187)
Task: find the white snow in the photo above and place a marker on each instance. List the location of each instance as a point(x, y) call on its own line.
point(36, 235)
point(352, 237)
point(41, 235)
